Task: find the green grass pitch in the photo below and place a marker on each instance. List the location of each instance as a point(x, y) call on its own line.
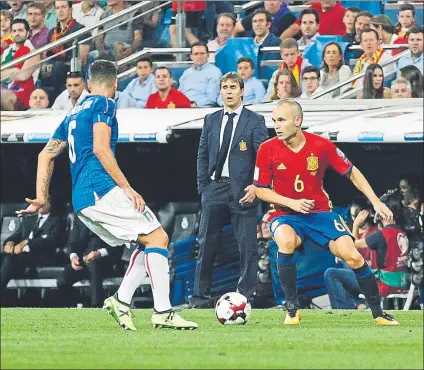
point(89, 338)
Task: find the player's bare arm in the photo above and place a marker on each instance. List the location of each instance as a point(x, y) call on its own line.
point(45, 168)
point(298, 205)
point(101, 148)
point(362, 184)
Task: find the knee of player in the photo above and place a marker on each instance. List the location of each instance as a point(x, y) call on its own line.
point(329, 273)
point(355, 260)
point(286, 246)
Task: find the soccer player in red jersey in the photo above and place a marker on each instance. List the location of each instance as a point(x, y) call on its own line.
point(166, 96)
point(289, 174)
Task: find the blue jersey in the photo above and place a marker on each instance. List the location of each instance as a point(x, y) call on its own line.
point(88, 175)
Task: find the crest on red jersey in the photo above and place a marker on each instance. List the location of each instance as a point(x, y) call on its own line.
point(312, 164)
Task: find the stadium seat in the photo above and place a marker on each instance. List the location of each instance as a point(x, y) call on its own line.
point(180, 220)
point(9, 209)
point(9, 225)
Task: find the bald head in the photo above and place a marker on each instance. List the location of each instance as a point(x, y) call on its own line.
point(38, 99)
point(287, 117)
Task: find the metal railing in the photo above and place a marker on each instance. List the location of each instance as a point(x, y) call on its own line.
point(75, 35)
point(355, 77)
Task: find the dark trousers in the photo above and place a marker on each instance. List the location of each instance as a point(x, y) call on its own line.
point(14, 265)
point(93, 272)
point(217, 204)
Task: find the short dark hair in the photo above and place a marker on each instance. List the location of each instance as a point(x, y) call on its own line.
point(263, 11)
point(228, 15)
point(232, 76)
point(37, 6)
point(353, 9)
point(199, 44)
point(247, 60)
point(369, 30)
point(163, 67)
point(20, 20)
point(310, 69)
point(404, 7)
point(102, 72)
point(324, 64)
point(415, 29)
point(145, 59)
point(75, 75)
point(309, 11)
point(69, 3)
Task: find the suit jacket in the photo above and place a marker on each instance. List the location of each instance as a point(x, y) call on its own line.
point(271, 40)
point(249, 134)
point(45, 238)
point(82, 240)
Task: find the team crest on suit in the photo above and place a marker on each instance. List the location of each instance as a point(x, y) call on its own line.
point(243, 146)
point(312, 163)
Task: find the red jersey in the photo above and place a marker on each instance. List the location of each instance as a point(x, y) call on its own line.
point(331, 21)
point(175, 99)
point(190, 6)
point(299, 175)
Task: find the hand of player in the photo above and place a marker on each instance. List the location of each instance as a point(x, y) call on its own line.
point(136, 199)
point(360, 218)
point(90, 257)
point(19, 247)
point(302, 205)
point(250, 195)
point(75, 263)
point(8, 248)
point(34, 206)
point(384, 212)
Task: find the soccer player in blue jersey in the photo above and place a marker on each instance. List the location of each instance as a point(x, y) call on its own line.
point(104, 200)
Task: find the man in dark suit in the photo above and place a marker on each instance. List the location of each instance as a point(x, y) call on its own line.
point(225, 167)
point(89, 256)
point(31, 245)
point(261, 23)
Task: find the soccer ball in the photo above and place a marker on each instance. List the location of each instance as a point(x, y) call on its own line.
point(233, 309)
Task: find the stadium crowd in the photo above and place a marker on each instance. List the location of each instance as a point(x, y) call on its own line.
point(26, 26)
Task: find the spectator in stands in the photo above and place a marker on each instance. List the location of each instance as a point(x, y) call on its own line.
point(212, 10)
point(415, 78)
point(148, 24)
point(291, 61)
point(333, 69)
point(373, 53)
point(349, 18)
point(38, 99)
point(391, 245)
point(310, 80)
point(401, 89)
point(386, 31)
point(87, 254)
point(39, 33)
point(331, 14)
point(74, 93)
point(254, 90)
point(50, 18)
point(140, 88)
point(406, 19)
point(166, 96)
point(87, 13)
point(309, 25)
point(224, 28)
point(120, 41)
point(6, 20)
point(19, 78)
point(282, 24)
point(362, 22)
point(18, 9)
point(261, 23)
point(200, 82)
point(409, 189)
point(415, 54)
point(194, 11)
point(30, 245)
point(374, 84)
point(285, 86)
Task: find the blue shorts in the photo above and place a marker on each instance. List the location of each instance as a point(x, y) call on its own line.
point(321, 228)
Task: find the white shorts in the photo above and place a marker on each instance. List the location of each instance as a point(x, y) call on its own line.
point(114, 219)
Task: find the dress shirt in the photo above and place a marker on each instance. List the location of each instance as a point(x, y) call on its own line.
point(123, 100)
point(201, 85)
point(305, 42)
point(87, 19)
point(64, 102)
point(140, 91)
point(41, 38)
point(407, 60)
point(225, 169)
point(44, 218)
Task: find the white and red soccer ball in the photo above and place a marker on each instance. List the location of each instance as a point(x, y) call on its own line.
point(233, 309)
